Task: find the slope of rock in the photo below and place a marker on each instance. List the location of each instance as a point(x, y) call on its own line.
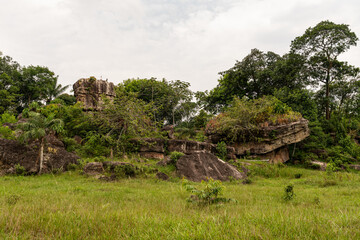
point(201, 166)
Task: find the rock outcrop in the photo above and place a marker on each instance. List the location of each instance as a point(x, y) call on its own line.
point(201, 166)
point(89, 91)
point(273, 141)
point(13, 154)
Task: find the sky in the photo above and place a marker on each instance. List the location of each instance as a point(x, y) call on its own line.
point(187, 40)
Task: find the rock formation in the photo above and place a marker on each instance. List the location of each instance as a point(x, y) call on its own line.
point(201, 166)
point(89, 91)
point(273, 141)
point(13, 154)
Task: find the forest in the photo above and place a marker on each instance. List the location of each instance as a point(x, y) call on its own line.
point(290, 200)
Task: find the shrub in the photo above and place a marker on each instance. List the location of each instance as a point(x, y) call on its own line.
point(298, 175)
point(19, 170)
point(210, 194)
point(174, 156)
point(289, 193)
point(221, 150)
point(125, 171)
point(243, 120)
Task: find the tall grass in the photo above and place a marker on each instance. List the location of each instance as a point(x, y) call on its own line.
point(73, 206)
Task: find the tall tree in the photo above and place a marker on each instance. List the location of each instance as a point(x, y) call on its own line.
point(322, 45)
point(37, 128)
point(35, 83)
point(168, 98)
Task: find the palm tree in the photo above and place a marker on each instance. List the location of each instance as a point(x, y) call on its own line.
point(37, 128)
point(54, 90)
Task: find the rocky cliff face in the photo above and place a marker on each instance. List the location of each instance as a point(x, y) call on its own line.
point(89, 91)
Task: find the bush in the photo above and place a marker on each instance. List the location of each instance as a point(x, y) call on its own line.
point(298, 175)
point(210, 194)
point(289, 192)
point(243, 120)
point(127, 170)
point(174, 156)
point(221, 150)
point(20, 170)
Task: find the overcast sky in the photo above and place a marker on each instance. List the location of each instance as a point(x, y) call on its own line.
point(189, 40)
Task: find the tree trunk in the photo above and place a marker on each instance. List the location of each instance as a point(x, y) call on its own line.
point(41, 155)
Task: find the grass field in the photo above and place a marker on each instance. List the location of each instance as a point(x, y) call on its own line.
point(73, 206)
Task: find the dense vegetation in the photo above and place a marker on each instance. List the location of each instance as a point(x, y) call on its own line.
point(263, 89)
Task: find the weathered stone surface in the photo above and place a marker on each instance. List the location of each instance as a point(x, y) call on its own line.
point(200, 166)
point(275, 137)
point(279, 155)
point(55, 156)
point(89, 91)
point(170, 131)
point(355, 166)
point(94, 168)
point(190, 147)
point(152, 155)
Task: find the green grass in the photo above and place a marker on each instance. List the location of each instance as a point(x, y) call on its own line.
point(73, 206)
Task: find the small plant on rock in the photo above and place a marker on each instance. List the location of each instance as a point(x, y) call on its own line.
point(174, 156)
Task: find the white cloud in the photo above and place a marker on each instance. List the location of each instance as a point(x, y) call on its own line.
point(190, 40)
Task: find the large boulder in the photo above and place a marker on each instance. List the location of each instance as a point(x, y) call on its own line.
point(89, 91)
point(201, 166)
point(56, 158)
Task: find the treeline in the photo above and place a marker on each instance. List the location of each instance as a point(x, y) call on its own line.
point(310, 79)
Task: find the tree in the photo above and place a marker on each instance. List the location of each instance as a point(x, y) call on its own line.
point(321, 45)
point(35, 83)
point(169, 99)
point(54, 90)
point(8, 93)
point(38, 127)
point(258, 74)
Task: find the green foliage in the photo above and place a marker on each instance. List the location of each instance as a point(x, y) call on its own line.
point(5, 131)
point(243, 119)
point(289, 192)
point(221, 150)
point(210, 194)
point(19, 170)
point(126, 170)
point(174, 156)
point(297, 175)
point(321, 45)
point(170, 100)
point(70, 144)
point(96, 145)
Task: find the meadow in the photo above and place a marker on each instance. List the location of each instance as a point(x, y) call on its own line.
point(73, 206)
